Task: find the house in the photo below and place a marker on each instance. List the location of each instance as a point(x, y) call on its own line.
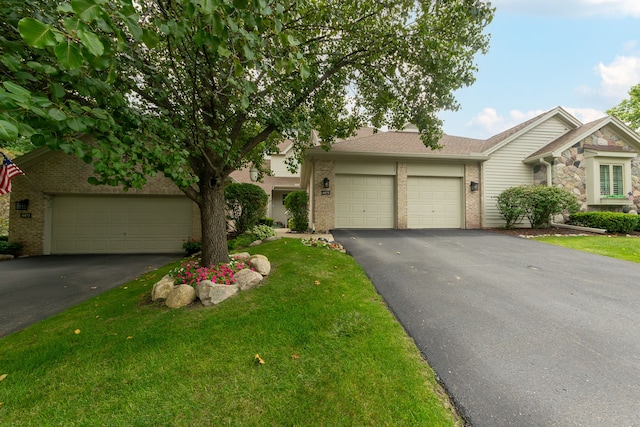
point(372, 180)
point(54, 210)
point(281, 182)
point(391, 180)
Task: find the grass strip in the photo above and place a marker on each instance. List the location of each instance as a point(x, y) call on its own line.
point(333, 355)
point(625, 248)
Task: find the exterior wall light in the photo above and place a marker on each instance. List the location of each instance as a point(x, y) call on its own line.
point(22, 205)
point(473, 186)
point(253, 174)
point(325, 183)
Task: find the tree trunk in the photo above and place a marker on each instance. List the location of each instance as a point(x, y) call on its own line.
point(214, 224)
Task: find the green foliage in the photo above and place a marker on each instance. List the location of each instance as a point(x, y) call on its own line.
point(297, 203)
point(613, 222)
point(241, 241)
point(538, 203)
point(629, 109)
point(262, 231)
point(246, 204)
point(10, 248)
point(198, 89)
point(511, 206)
point(192, 246)
point(313, 339)
point(266, 221)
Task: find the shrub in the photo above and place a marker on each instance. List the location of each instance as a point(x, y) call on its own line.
point(266, 221)
point(296, 203)
point(539, 203)
point(246, 204)
point(192, 273)
point(191, 246)
point(10, 248)
point(261, 232)
point(613, 222)
point(511, 205)
point(241, 241)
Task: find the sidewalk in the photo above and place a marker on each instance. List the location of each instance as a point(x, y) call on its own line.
point(285, 232)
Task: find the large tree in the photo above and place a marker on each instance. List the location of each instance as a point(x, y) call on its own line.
point(629, 109)
point(199, 88)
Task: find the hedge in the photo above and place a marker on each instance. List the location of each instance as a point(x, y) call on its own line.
point(613, 222)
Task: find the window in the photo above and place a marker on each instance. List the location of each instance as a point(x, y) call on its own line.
point(611, 182)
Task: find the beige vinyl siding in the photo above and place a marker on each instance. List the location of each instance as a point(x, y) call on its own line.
point(506, 169)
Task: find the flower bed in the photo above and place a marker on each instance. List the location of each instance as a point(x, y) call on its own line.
point(191, 272)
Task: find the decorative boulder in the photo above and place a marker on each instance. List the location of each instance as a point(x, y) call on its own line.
point(241, 256)
point(272, 238)
point(5, 257)
point(261, 264)
point(247, 279)
point(162, 288)
point(211, 293)
point(255, 243)
point(181, 296)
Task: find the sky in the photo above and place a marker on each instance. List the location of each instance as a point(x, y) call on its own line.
point(582, 55)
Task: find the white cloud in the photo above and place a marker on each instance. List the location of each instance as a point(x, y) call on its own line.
point(489, 122)
point(573, 8)
point(616, 78)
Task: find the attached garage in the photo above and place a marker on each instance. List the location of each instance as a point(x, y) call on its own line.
point(364, 201)
point(434, 202)
point(103, 224)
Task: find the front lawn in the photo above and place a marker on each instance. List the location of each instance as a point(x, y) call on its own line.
point(626, 248)
point(332, 352)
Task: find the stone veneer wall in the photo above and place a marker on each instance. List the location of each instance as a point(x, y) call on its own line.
point(58, 173)
point(569, 171)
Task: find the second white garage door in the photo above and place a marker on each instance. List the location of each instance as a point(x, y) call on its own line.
point(120, 224)
point(364, 201)
point(434, 202)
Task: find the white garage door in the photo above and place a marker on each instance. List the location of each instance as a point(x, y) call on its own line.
point(364, 201)
point(120, 224)
point(434, 202)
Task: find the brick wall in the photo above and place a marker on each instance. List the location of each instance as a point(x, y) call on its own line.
point(56, 173)
point(473, 199)
point(324, 205)
point(401, 196)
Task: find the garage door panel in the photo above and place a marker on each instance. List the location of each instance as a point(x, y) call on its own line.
point(364, 201)
point(120, 224)
point(434, 202)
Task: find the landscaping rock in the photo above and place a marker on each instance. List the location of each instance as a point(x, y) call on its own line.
point(247, 279)
point(210, 293)
point(255, 243)
point(162, 288)
point(181, 296)
point(242, 256)
point(6, 257)
point(261, 264)
point(272, 238)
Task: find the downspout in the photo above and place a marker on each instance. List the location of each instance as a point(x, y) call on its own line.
point(549, 174)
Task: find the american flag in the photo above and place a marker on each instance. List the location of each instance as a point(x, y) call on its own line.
point(8, 170)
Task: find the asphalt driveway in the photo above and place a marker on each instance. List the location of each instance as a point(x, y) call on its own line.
point(32, 289)
point(521, 333)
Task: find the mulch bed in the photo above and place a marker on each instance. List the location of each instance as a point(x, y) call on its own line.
point(550, 231)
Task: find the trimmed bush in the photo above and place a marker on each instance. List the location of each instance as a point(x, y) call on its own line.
point(246, 204)
point(10, 248)
point(511, 205)
point(613, 222)
point(266, 221)
point(538, 202)
point(297, 203)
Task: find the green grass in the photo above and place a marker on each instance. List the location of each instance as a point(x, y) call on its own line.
point(334, 355)
point(626, 248)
